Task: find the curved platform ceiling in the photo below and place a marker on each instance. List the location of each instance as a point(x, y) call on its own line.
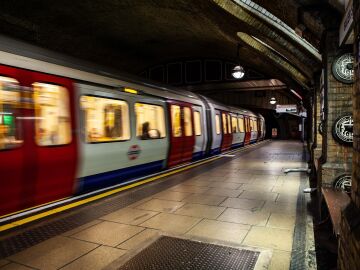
point(134, 34)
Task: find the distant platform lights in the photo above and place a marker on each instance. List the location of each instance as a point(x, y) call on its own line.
point(272, 101)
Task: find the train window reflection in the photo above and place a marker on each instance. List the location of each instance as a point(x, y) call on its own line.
point(105, 119)
point(217, 124)
point(197, 123)
point(241, 124)
point(234, 123)
point(52, 124)
point(150, 121)
point(176, 120)
point(10, 128)
point(187, 121)
point(224, 124)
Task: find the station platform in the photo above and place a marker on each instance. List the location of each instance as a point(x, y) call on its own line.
point(237, 211)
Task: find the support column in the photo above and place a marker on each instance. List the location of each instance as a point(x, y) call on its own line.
point(318, 140)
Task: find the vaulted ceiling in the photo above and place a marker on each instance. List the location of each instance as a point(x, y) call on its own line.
point(131, 35)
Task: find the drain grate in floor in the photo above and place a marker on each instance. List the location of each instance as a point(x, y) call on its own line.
point(174, 253)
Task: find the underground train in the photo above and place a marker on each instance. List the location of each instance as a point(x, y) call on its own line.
point(66, 131)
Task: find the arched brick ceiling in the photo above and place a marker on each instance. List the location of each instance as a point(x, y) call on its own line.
point(131, 35)
point(310, 17)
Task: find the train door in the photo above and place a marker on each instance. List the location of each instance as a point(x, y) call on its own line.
point(227, 134)
point(182, 137)
point(236, 141)
point(247, 130)
point(199, 147)
point(258, 128)
point(216, 132)
point(54, 142)
point(254, 132)
point(241, 129)
point(12, 141)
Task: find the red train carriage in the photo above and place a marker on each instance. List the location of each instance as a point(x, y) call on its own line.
point(38, 165)
point(44, 153)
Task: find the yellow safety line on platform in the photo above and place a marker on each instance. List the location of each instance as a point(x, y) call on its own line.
point(105, 194)
point(33, 207)
point(96, 197)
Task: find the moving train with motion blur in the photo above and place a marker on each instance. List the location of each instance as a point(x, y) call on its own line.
point(65, 130)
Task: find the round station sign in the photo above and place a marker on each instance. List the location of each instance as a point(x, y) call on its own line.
point(321, 128)
point(343, 68)
point(343, 129)
point(343, 182)
point(133, 152)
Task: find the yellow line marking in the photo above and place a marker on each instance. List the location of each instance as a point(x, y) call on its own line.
point(33, 207)
point(97, 197)
point(105, 194)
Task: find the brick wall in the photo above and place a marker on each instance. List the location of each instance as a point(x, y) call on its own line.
point(338, 101)
point(356, 113)
point(349, 241)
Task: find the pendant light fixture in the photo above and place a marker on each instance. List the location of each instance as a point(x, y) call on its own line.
point(238, 72)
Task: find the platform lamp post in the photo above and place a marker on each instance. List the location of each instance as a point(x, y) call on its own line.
point(238, 72)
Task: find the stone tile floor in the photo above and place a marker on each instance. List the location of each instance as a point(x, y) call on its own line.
point(247, 201)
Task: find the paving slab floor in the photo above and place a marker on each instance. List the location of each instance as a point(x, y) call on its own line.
point(246, 201)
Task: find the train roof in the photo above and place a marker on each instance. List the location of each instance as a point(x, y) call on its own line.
point(213, 102)
point(23, 55)
point(231, 108)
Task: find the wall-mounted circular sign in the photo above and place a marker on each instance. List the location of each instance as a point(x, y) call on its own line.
point(343, 68)
point(321, 128)
point(343, 182)
point(343, 129)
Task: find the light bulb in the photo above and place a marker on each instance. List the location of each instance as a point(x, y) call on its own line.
point(238, 72)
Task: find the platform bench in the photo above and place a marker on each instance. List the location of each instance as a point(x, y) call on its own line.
point(336, 200)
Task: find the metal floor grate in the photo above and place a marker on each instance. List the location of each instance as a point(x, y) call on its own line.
point(174, 253)
point(298, 254)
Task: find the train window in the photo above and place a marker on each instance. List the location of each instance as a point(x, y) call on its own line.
point(229, 123)
point(150, 121)
point(197, 123)
point(241, 124)
point(217, 124)
point(255, 125)
point(234, 123)
point(105, 119)
point(10, 128)
point(224, 124)
point(176, 120)
point(52, 125)
point(187, 121)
